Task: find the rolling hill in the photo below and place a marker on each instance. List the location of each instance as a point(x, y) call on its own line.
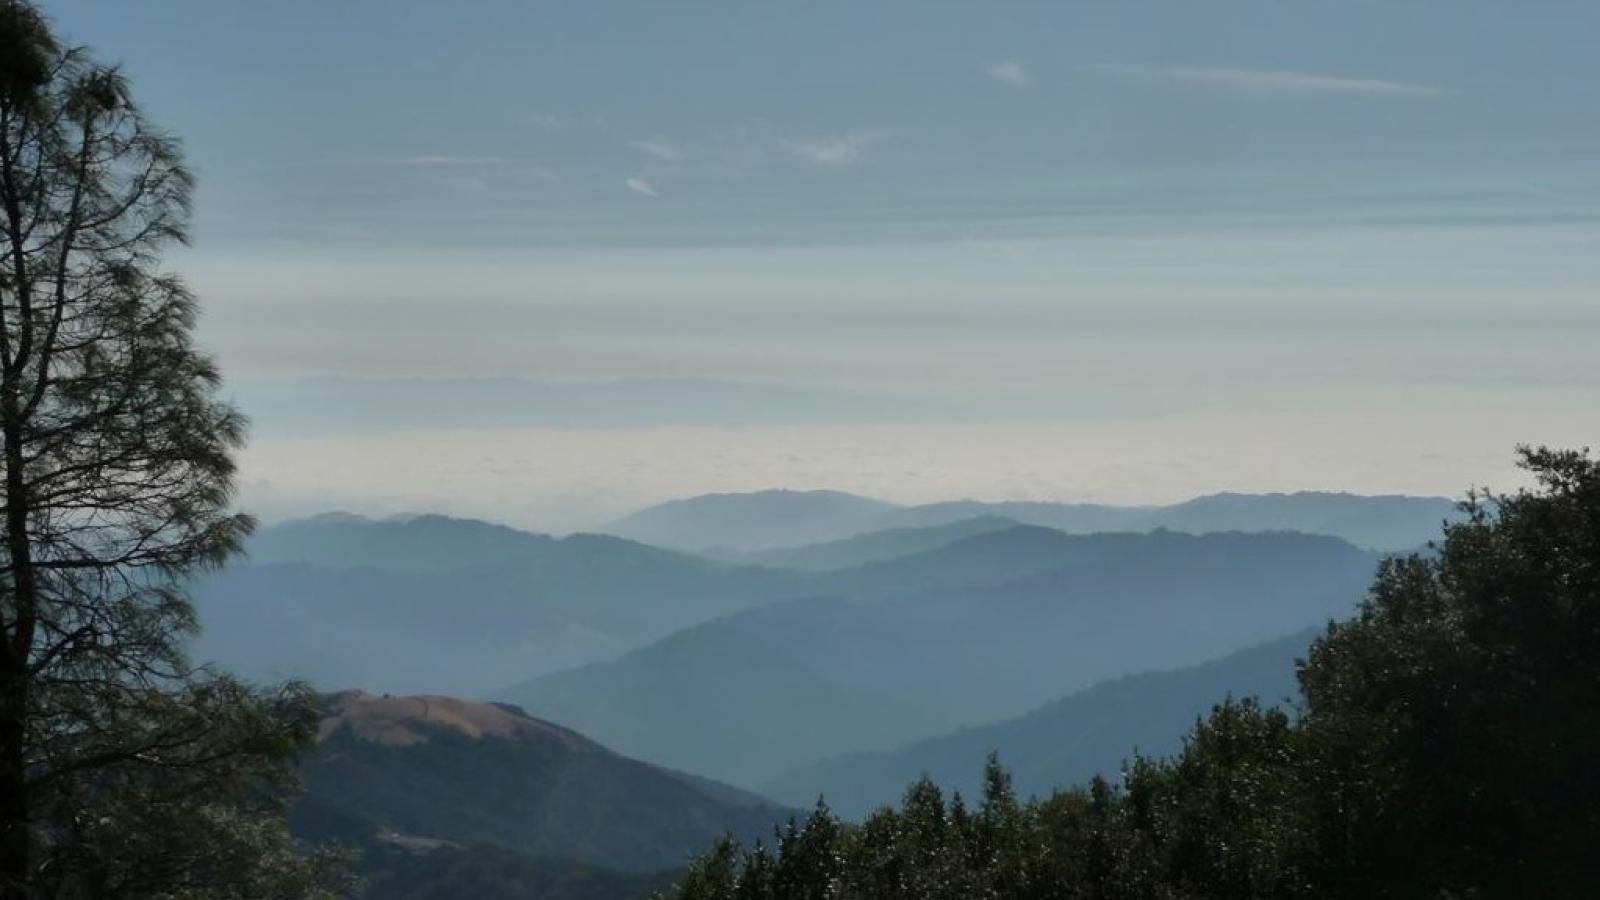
point(431, 603)
point(404, 545)
point(982, 630)
point(1062, 743)
point(438, 604)
point(874, 546)
point(754, 521)
point(429, 772)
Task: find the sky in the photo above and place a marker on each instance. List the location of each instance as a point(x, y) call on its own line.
point(545, 262)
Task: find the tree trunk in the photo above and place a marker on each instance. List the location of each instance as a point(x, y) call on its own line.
point(16, 833)
point(16, 838)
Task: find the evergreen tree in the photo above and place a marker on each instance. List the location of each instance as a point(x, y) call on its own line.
point(808, 863)
point(1445, 749)
point(124, 771)
point(1455, 720)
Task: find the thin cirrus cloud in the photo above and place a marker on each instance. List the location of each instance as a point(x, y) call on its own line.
point(1271, 82)
point(442, 161)
point(641, 187)
point(1009, 72)
point(833, 152)
point(556, 122)
point(659, 149)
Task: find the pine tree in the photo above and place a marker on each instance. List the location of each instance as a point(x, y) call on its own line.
point(124, 771)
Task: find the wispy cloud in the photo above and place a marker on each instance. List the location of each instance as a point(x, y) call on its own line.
point(640, 186)
point(460, 170)
point(841, 152)
point(1267, 81)
point(465, 184)
point(557, 122)
point(439, 161)
point(1009, 72)
point(833, 152)
point(659, 149)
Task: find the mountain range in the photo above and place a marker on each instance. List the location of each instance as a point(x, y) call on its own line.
point(870, 547)
point(754, 666)
point(1062, 743)
point(432, 603)
point(724, 649)
point(767, 520)
point(977, 631)
point(437, 604)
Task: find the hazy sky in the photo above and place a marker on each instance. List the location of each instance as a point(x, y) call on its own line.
point(1069, 225)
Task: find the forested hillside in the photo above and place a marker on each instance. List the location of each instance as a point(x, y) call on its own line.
point(1445, 749)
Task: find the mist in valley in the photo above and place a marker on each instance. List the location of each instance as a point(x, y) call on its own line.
point(837, 451)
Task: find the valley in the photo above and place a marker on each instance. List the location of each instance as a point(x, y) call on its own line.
point(600, 707)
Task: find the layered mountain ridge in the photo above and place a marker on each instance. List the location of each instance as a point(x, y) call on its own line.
point(981, 630)
point(1062, 743)
point(764, 520)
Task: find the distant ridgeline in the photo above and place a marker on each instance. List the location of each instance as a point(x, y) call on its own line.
point(1064, 742)
point(772, 520)
point(846, 648)
point(984, 629)
point(473, 607)
point(432, 604)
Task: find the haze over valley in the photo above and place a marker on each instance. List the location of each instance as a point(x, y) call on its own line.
point(906, 450)
point(889, 625)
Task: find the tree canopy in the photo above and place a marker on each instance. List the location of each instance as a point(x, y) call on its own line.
point(124, 770)
point(1443, 749)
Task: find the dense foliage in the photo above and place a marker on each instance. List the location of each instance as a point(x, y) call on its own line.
point(1444, 749)
point(488, 872)
point(124, 770)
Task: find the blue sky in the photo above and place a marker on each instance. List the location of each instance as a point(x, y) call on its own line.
point(1016, 212)
point(551, 125)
